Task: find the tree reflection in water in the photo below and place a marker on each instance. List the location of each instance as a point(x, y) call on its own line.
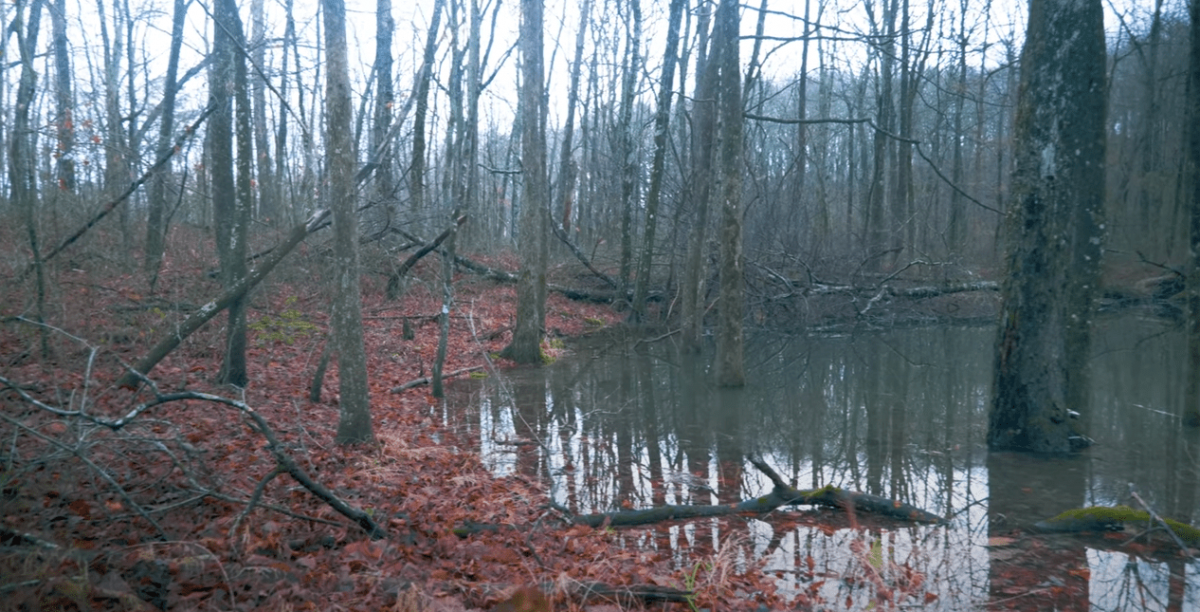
point(899, 413)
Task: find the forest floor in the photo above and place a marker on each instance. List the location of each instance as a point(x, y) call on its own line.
point(155, 515)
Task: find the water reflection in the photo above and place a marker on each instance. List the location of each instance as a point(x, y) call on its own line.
point(900, 414)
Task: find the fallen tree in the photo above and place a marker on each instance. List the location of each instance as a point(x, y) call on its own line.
point(197, 319)
point(782, 494)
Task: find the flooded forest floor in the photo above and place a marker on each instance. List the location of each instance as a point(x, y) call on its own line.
point(185, 507)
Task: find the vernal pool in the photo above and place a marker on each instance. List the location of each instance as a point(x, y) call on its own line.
point(899, 413)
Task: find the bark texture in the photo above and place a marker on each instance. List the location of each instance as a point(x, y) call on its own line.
point(354, 424)
point(1053, 231)
point(531, 294)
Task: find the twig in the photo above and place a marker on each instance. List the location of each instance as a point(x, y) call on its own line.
point(1155, 517)
point(425, 380)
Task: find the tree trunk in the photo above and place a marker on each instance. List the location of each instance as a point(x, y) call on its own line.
point(21, 171)
point(155, 224)
point(355, 423)
point(65, 122)
point(232, 195)
point(1053, 230)
point(698, 188)
point(268, 205)
point(421, 92)
point(1191, 411)
point(385, 97)
point(661, 123)
point(730, 369)
point(531, 307)
point(628, 146)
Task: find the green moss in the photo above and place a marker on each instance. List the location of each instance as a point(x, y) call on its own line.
point(1099, 518)
point(479, 374)
point(593, 321)
point(284, 327)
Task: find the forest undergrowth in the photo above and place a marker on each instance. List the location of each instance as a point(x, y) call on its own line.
point(185, 506)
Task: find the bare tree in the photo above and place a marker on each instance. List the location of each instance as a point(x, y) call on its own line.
point(1191, 413)
point(698, 188)
point(231, 195)
point(1053, 230)
point(355, 423)
point(661, 124)
point(268, 188)
point(155, 223)
point(730, 369)
point(65, 122)
point(525, 346)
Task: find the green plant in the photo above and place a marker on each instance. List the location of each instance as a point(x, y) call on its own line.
point(284, 327)
point(593, 321)
point(690, 582)
point(479, 374)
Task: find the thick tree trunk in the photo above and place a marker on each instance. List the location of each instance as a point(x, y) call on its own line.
point(232, 195)
point(1191, 411)
point(531, 293)
point(355, 423)
point(1053, 231)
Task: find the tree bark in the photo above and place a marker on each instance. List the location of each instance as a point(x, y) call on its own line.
point(268, 190)
point(231, 192)
point(730, 367)
point(1191, 411)
point(698, 188)
point(354, 425)
point(155, 227)
point(525, 346)
point(421, 93)
point(1053, 238)
point(661, 124)
point(628, 147)
point(65, 122)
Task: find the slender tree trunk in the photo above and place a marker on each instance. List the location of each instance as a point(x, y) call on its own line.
point(421, 92)
point(531, 310)
point(155, 224)
point(65, 122)
point(699, 185)
point(268, 206)
point(566, 166)
point(730, 367)
point(116, 170)
point(661, 124)
point(21, 171)
point(628, 149)
point(1053, 231)
point(354, 426)
point(385, 98)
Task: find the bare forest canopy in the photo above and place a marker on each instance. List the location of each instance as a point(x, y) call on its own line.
point(877, 135)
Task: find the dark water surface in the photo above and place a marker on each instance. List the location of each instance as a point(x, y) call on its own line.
point(902, 414)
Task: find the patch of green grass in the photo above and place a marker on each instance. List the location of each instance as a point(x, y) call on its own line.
point(285, 327)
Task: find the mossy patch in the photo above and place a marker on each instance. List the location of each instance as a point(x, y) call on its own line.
point(1112, 518)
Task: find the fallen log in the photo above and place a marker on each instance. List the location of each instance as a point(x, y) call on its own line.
point(782, 494)
point(197, 319)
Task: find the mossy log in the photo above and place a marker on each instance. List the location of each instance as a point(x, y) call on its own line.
point(1114, 518)
point(781, 495)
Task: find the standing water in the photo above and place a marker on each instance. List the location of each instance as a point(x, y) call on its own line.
point(901, 414)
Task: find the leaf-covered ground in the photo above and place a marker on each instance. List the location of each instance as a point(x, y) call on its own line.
point(156, 515)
